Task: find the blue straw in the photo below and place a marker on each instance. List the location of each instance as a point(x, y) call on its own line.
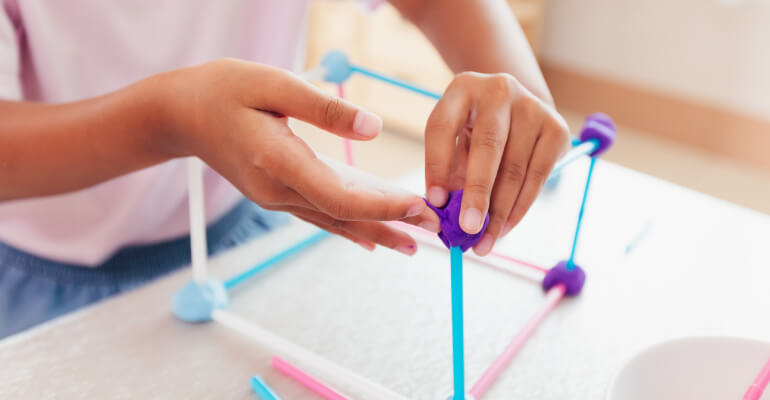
point(639, 236)
point(396, 82)
point(240, 278)
point(591, 145)
point(571, 263)
point(458, 358)
point(261, 389)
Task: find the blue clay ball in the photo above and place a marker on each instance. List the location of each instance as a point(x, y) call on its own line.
point(338, 68)
point(196, 301)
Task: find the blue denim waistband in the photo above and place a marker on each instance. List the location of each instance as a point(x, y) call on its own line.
point(136, 264)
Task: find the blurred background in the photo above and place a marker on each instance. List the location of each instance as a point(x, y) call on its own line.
point(686, 81)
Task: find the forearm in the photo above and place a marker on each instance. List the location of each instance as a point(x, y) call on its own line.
point(47, 149)
point(481, 36)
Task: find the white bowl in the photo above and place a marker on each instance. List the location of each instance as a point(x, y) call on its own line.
point(702, 368)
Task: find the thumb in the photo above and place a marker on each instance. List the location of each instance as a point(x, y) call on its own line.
point(301, 100)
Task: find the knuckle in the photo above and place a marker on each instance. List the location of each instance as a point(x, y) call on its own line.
point(435, 169)
point(373, 231)
point(337, 207)
point(496, 221)
point(527, 108)
point(464, 77)
point(269, 162)
point(337, 224)
point(391, 212)
point(558, 129)
point(338, 210)
point(502, 85)
point(489, 139)
point(386, 208)
point(539, 173)
point(512, 172)
point(436, 124)
point(333, 110)
point(480, 189)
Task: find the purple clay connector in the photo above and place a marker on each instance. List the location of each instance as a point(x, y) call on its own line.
point(599, 127)
point(449, 215)
point(572, 279)
point(603, 119)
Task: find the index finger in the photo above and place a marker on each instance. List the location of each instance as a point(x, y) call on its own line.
point(488, 138)
point(447, 118)
point(292, 96)
point(346, 194)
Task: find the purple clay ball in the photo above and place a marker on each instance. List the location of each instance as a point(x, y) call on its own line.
point(603, 119)
point(599, 127)
point(449, 216)
point(573, 279)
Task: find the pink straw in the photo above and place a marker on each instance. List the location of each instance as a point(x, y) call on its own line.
point(306, 380)
point(517, 261)
point(347, 144)
point(501, 256)
point(487, 378)
point(483, 261)
point(348, 151)
point(760, 383)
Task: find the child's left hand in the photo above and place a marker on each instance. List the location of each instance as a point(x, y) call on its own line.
point(491, 136)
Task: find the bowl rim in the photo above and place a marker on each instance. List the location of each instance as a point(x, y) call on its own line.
point(667, 342)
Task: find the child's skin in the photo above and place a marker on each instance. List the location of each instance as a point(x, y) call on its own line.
point(494, 133)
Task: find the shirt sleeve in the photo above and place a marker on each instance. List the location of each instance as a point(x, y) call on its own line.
point(10, 86)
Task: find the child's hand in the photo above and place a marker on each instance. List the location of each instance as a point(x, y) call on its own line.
point(491, 136)
point(232, 114)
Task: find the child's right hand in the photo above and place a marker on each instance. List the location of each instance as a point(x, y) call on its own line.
point(232, 114)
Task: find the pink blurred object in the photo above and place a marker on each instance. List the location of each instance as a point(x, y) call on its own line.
point(763, 379)
point(488, 377)
point(306, 380)
point(494, 254)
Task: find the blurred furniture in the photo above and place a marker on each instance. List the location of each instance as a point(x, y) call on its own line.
point(388, 43)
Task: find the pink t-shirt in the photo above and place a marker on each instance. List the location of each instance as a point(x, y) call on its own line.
point(58, 51)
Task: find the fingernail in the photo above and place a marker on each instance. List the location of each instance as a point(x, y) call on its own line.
point(483, 246)
point(507, 228)
point(367, 124)
point(406, 249)
point(416, 209)
point(437, 196)
point(470, 220)
point(429, 226)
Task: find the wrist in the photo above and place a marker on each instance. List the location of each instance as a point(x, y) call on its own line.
point(150, 104)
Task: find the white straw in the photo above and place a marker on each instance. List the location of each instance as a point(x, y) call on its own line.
point(315, 74)
point(313, 362)
point(197, 218)
point(576, 152)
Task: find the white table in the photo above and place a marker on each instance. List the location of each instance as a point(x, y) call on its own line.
point(703, 269)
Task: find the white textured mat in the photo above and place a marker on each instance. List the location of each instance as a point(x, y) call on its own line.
point(702, 270)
